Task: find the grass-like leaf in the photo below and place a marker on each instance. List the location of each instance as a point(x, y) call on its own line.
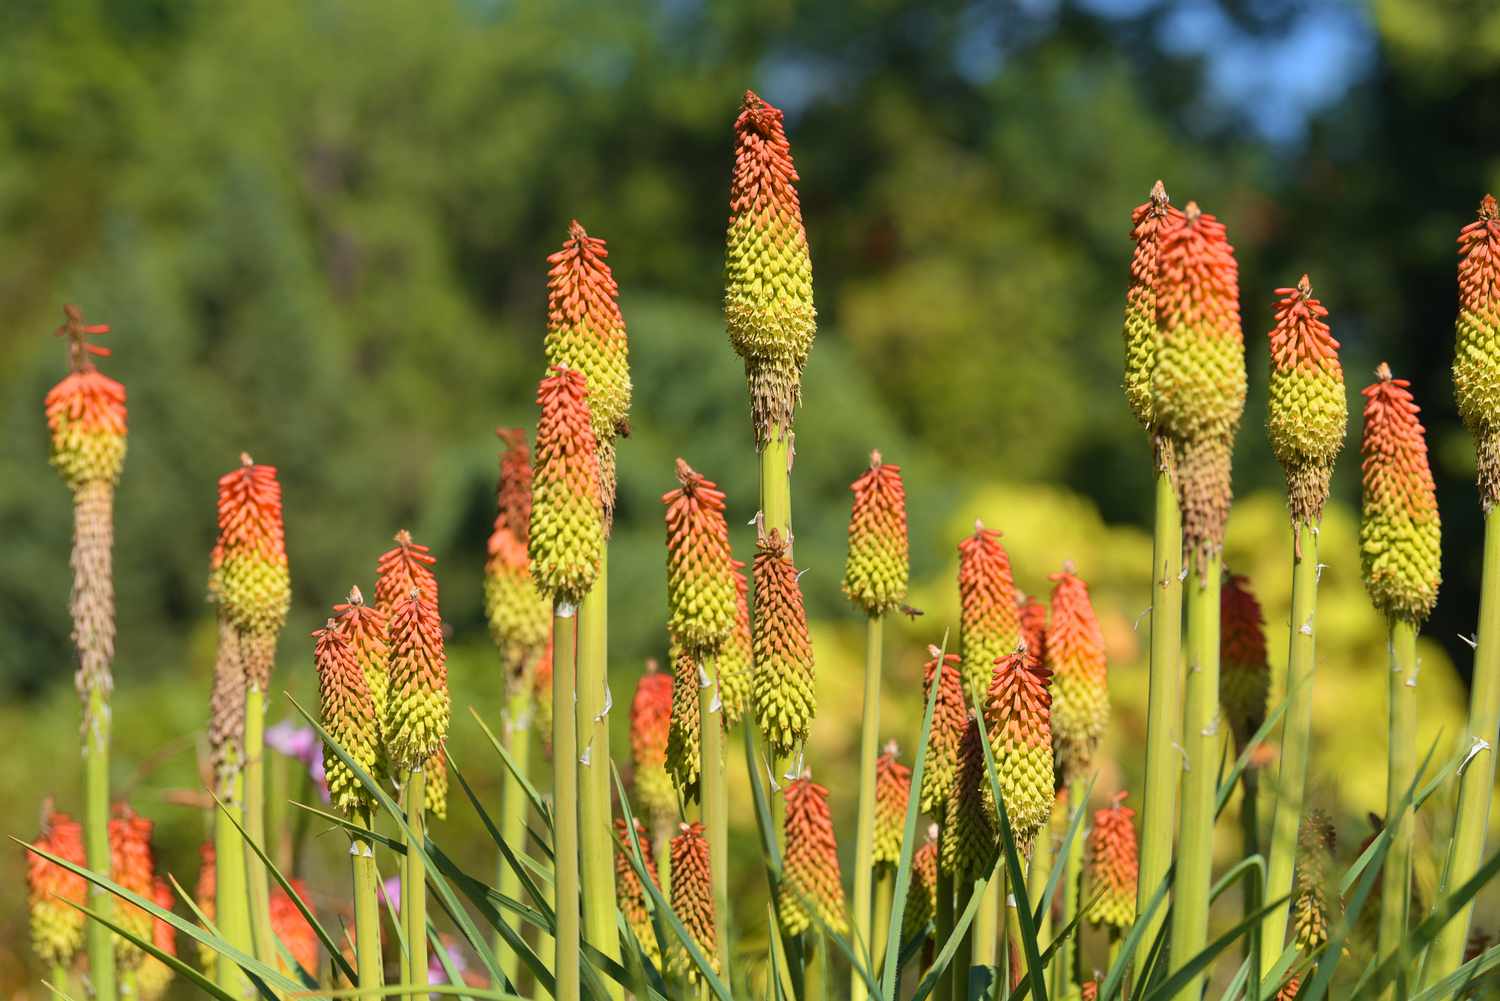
point(1461, 981)
point(538, 898)
point(945, 955)
point(537, 803)
point(1054, 878)
point(1180, 979)
point(1114, 980)
point(184, 969)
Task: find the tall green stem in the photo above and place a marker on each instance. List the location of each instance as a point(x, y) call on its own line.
point(1478, 779)
point(231, 907)
point(943, 930)
point(864, 831)
point(1200, 726)
point(278, 828)
point(366, 907)
point(515, 732)
point(815, 975)
point(596, 840)
point(1291, 776)
point(715, 800)
point(96, 834)
point(257, 887)
point(1066, 975)
point(989, 919)
point(565, 802)
point(1163, 760)
point(776, 512)
point(415, 914)
point(885, 888)
point(1395, 889)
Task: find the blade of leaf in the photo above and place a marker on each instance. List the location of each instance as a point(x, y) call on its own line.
point(537, 803)
point(1467, 975)
point(945, 955)
point(1116, 976)
point(1200, 962)
point(527, 883)
point(186, 970)
point(1075, 824)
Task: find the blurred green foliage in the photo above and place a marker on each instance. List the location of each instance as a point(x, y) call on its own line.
point(319, 230)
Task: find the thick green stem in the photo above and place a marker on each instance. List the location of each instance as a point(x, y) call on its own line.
point(515, 733)
point(864, 830)
point(1200, 732)
point(231, 906)
point(1163, 712)
point(565, 801)
point(1291, 774)
point(715, 800)
point(366, 907)
point(96, 834)
point(414, 916)
point(1395, 889)
point(257, 886)
point(278, 826)
point(943, 930)
point(815, 975)
point(1478, 779)
point(885, 888)
point(1250, 846)
point(61, 981)
point(776, 482)
point(596, 840)
point(1066, 972)
point(989, 919)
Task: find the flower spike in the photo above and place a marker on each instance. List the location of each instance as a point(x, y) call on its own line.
point(684, 731)
point(785, 695)
point(1018, 715)
point(1113, 869)
point(1312, 905)
point(700, 574)
point(693, 902)
point(86, 412)
point(133, 866)
point(892, 792)
point(1080, 682)
point(1476, 358)
point(1244, 673)
point(876, 572)
point(1399, 536)
point(1142, 337)
point(921, 893)
point(989, 621)
point(520, 620)
point(736, 660)
point(812, 889)
point(405, 566)
point(1308, 412)
point(418, 707)
point(971, 839)
point(348, 713)
point(650, 723)
point(250, 576)
point(56, 925)
point(634, 901)
point(950, 717)
point(567, 513)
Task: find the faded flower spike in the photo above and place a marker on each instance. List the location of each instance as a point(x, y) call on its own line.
point(348, 713)
point(567, 513)
point(989, 621)
point(1244, 674)
point(892, 791)
point(878, 566)
point(133, 866)
point(1308, 411)
point(1312, 915)
point(812, 890)
point(1142, 338)
point(251, 580)
point(86, 411)
point(1476, 356)
point(1080, 682)
point(1018, 714)
point(700, 574)
point(520, 619)
point(650, 721)
point(768, 296)
point(56, 925)
point(921, 893)
point(226, 723)
point(586, 333)
point(950, 717)
point(684, 733)
point(417, 708)
point(634, 900)
point(1113, 869)
point(404, 567)
point(785, 695)
point(971, 839)
point(1199, 379)
point(1399, 536)
point(736, 660)
point(693, 902)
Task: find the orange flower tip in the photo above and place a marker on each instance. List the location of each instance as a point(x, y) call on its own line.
point(1192, 212)
point(1489, 211)
point(1383, 372)
point(75, 330)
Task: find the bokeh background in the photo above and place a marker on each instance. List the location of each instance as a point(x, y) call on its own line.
point(319, 230)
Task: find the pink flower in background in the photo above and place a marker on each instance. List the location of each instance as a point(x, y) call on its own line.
point(302, 744)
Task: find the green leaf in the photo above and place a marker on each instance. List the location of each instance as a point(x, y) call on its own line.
point(537, 803)
point(1054, 878)
point(183, 969)
point(945, 955)
point(1469, 975)
point(1180, 978)
point(505, 850)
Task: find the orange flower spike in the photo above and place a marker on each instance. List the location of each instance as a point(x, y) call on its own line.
point(875, 575)
point(693, 902)
point(634, 900)
point(294, 931)
point(700, 572)
point(921, 893)
point(405, 566)
point(950, 717)
point(970, 835)
point(133, 866)
point(989, 622)
point(768, 296)
point(1018, 715)
point(250, 575)
point(1080, 681)
point(892, 792)
point(348, 712)
point(513, 494)
point(368, 632)
point(567, 512)
point(1400, 534)
point(812, 887)
point(736, 660)
point(86, 411)
point(56, 926)
point(1142, 336)
point(520, 619)
point(650, 723)
point(1113, 871)
point(785, 693)
point(1033, 616)
point(1476, 357)
point(1245, 673)
point(418, 709)
point(1308, 413)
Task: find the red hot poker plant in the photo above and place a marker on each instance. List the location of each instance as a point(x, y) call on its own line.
point(631, 893)
point(418, 706)
point(950, 718)
point(1308, 412)
point(811, 884)
point(876, 572)
point(567, 513)
point(692, 901)
point(56, 925)
point(405, 567)
point(700, 573)
point(519, 618)
point(785, 695)
point(989, 623)
point(252, 583)
point(1245, 675)
point(132, 866)
point(1476, 361)
point(348, 712)
point(1142, 336)
point(650, 721)
point(1033, 618)
point(892, 791)
point(736, 661)
point(1080, 683)
point(368, 633)
point(1018, 716)
point(1113, 869)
